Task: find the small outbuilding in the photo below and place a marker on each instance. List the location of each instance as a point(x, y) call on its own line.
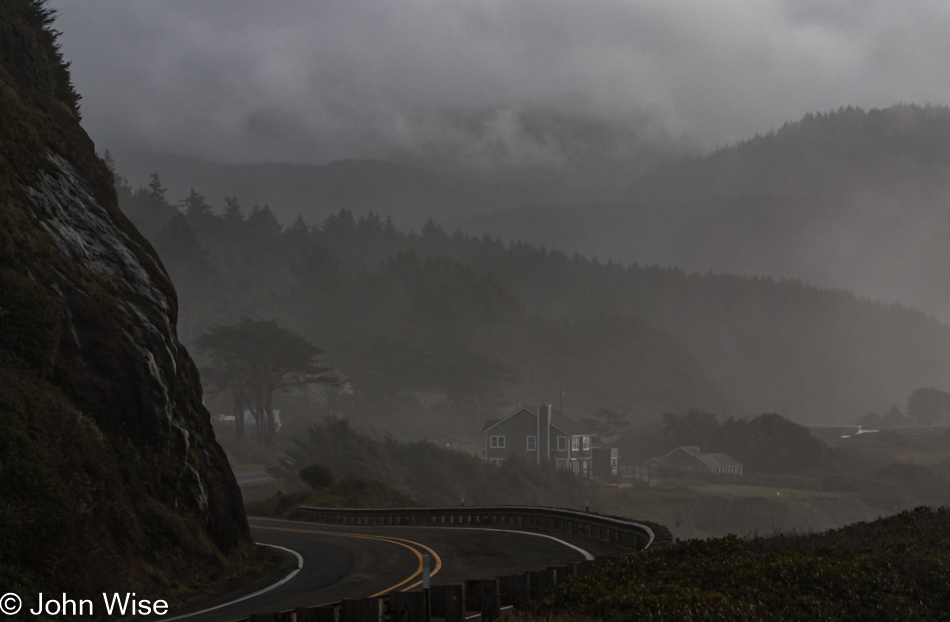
point(690, 458)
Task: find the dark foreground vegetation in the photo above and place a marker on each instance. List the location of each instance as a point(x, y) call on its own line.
point(896, 568)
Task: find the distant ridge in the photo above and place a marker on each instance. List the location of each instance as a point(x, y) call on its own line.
point(852, 199)
point(410, 195)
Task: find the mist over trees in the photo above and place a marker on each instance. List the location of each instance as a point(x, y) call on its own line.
point(255, 358)
point(480, 323)
point(851, 198)
point(928, 406)
point(767, 443)
point(397, 313)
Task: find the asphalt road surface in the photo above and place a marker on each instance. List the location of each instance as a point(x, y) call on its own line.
point(354, 562)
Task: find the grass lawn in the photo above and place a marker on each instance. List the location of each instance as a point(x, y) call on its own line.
point(733, 491)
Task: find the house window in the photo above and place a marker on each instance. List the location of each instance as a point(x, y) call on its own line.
point(562, 463)
point(576, 443)
point(562, 443)
point(586, 443)
point(495, 461)
point(496, 442)
point(532, 443)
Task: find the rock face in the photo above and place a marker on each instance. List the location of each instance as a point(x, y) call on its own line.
point(112, 350)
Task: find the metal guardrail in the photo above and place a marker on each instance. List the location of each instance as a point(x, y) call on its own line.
point(637, 535)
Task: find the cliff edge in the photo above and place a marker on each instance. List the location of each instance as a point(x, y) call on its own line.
point(110, 475)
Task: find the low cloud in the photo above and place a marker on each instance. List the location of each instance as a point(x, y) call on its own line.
point(489, 83)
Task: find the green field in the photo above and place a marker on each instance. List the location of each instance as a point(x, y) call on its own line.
point(735, 491)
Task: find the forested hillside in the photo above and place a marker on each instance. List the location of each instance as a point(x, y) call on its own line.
point(853, 199)
point(479, 324)
point(410, 194)
point(399, 313)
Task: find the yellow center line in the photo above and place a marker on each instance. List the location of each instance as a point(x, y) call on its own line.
point(435, 556)
point(407, 544)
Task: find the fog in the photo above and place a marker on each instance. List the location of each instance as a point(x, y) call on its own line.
point(351, 138)
point(476, 85)
point(558, 93)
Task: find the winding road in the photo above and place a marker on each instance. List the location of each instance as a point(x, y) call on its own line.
point(335, 562)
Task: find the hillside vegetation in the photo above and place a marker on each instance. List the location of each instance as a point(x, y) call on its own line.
point(388, 473)
point(411, 194)
point(792, 482)
point(397, 312)
point(403, 313)
point(895, 568)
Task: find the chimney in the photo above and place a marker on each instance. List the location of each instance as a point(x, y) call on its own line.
point(549, 432)
point(537, 439)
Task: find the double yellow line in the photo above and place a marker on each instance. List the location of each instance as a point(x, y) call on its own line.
point(407, 544)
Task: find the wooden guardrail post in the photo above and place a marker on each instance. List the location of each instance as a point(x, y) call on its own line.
point(361, 610)
point(327, 613)
point(566, 572)
point(447, 601)
point(488, 599)
point(470, 595)
point(305, 614)
point(534, 581)
point(518, 587)
point(584, 567)
point(407, 607)
point(504, 591)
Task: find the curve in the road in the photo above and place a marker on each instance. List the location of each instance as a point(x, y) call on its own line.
point(407, 544)
point(359, 561)
point(289, 576)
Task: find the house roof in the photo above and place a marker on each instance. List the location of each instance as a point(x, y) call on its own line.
point(490, 423)
point(719, 460)
point(710, 460)
point(559, 421)
point(568, 425)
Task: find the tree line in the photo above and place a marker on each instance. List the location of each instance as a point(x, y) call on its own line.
point(485, 322)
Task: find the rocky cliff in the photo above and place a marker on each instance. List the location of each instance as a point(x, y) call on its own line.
point(108, 463)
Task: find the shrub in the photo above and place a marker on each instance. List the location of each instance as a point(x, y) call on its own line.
point(317, 476)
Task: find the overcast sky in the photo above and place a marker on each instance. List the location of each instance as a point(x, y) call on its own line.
point(521, 81)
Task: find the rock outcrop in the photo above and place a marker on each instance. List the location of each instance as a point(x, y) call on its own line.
point(88, 315)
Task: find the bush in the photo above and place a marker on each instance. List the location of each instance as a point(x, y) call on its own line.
point(317, 476)
point(890, 569)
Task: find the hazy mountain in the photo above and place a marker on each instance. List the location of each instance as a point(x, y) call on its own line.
point(409, 194)
point(383, 301)
point(853, 199)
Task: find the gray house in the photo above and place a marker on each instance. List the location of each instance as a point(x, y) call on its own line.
point(690, 458)
point(539, 436)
